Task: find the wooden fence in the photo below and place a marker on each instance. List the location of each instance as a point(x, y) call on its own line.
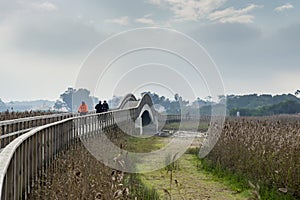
point(30, 155)
point(27, 157)
point(11, 129)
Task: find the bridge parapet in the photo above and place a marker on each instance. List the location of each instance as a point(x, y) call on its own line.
point(11, 129)
point(28, 156)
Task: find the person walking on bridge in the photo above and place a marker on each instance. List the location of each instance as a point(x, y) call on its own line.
point(105, 106)
point(83, 109)
point(99, 107)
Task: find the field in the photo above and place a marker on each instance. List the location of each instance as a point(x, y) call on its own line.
point(255, 158)
point(264, 150)
point(185, 177)
point(76, 174)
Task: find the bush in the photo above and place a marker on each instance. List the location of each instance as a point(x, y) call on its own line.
point(265, 149)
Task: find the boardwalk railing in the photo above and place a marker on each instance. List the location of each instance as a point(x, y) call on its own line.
point(25, 159)
point(11, 129)
point(28, 156)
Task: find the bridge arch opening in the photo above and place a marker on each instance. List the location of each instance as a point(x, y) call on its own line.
point(146, 118)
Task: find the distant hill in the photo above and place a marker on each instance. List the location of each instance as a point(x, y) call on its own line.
point(28, 105)
point(253, 101)
point(258, 105)
point(2, 106)
point(285, 107)
point(246, 105)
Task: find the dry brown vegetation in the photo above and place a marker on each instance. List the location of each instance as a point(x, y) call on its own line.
point(76, 174)
point(15, 115)
point(265, 149)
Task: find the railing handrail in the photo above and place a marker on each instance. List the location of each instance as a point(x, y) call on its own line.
point(8, 152)
point(25, 119)
point(11, 150)
point(16, 132)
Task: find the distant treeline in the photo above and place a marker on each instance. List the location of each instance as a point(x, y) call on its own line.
point(246, 105)
point(21, 106)
point(263, 105)
point(286, 107)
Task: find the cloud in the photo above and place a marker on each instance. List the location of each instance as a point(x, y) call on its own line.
point(284, 7)
point(188, 10)
point(155, 2)
point(124, 21)
point(54, 38)
point(194, 10)
point(221, 36)
point(45, 6)
point(147, 21)
point(232, 15)
point(243, 19)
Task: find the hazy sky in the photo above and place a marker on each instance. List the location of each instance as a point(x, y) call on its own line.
point(255, 44)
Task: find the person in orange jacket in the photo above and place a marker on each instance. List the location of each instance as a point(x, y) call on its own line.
point(83, 109)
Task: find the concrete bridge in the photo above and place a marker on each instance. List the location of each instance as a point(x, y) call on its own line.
point(146, 115)
point(29, 146)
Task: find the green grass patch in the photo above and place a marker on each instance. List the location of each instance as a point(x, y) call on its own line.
point(188, 125)
point(267, 193)
point(145, 145)
point(188, 182)
point(139, 190)
point(239, 182)
point(236, 182)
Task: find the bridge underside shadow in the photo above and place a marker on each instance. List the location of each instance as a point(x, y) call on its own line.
point(146, 124)
point(146, 119)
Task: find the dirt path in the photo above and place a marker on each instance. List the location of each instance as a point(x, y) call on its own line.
point(192, 183)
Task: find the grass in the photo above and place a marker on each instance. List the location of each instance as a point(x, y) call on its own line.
point(240, 183)
point(263, 149)
point(236, 182)
point(188, 125)
point(144, 145)
point(138, 189)
point(183, 178)
point(188, 182)
point(76, 174)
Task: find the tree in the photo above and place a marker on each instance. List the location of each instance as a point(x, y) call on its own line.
point(208, 99)
point(176, 97)
point(67, 97)
point(115, 101)
point(3, 106)
point(72, 98)
point(297, 93)
point(59, 105)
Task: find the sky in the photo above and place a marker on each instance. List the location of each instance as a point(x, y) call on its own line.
point(43, 44)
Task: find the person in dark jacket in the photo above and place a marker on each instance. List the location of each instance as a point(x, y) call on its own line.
point(105, 106)
point(99, 107)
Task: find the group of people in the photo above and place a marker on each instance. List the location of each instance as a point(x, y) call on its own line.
point(100, 107)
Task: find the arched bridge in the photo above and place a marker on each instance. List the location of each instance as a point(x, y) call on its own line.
point(145, 114)
point(29, 146)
